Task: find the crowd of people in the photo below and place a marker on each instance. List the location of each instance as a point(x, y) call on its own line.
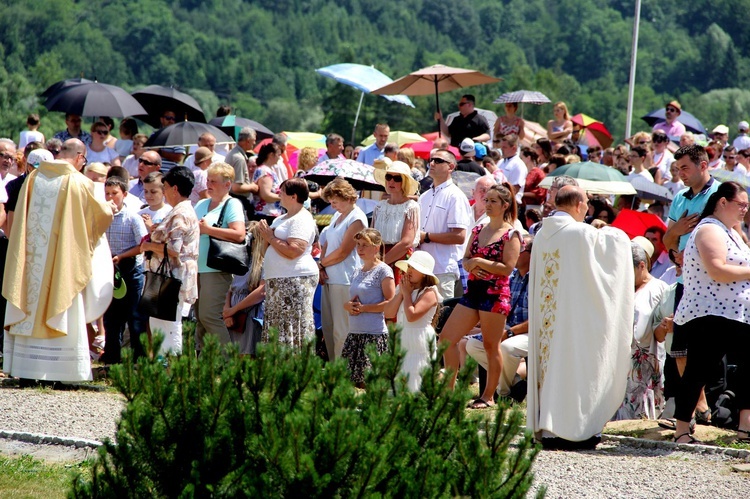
point(556, 306)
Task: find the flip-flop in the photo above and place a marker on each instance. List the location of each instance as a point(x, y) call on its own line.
point(480, 403)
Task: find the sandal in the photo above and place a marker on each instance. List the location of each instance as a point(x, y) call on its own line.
point(692, 440)
point(745, 439)
point(703, 417)
point(671, 424)
point(480, 403)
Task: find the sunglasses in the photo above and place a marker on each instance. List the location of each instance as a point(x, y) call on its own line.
point(168, 118)
point(438, 161)
point(462, 104)
point(101, 132)
point(395, 178)
point(644, 142)
point(55, 152)
point(671, 109)
point(147, 162)
point(730, 157)
point(658, 139)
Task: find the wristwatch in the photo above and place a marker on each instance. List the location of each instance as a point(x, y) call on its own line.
point(427, 237)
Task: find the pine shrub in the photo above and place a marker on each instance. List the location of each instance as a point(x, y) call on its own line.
point(286, 424)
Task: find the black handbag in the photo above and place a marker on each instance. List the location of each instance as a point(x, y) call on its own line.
point(227, 256)
point(161, 292)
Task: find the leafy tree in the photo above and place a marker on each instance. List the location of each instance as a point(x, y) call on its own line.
point(286, 424)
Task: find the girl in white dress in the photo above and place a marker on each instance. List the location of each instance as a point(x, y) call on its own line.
point(414, 306)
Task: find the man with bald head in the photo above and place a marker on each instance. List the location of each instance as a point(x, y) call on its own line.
point(51, 287)
point(209, 141)
point(149, 161)
point(580, 325)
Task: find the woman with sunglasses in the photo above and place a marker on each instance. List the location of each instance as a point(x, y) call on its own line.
point(397, 218)
point(98, 151)
point(661, 158)
point(715, 300)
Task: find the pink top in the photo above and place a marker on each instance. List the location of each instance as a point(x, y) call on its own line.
point(674, 130)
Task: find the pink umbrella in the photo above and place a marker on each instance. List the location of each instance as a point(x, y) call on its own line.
point(422, 149)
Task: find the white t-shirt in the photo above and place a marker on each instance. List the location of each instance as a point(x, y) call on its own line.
point(299, 226)
point(664, 162)
point(645, 174)
point(28, 136)
point(515, 171)
point(106, 156)
point(158, 215)
point(342, 272)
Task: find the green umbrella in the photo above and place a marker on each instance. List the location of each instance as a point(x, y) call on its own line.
point(594, 177)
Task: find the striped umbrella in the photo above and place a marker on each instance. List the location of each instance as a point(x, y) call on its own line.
point(523, 97)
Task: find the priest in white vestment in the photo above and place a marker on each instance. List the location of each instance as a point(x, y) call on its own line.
point(58, 274)
point(580, 325)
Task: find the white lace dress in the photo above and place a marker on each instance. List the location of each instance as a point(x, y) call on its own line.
point(389, 220)
point(418, 339)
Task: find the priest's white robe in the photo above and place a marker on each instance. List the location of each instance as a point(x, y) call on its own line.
point(580, 327)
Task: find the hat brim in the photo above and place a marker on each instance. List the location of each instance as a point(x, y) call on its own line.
point(403, 265)
point(412, 185)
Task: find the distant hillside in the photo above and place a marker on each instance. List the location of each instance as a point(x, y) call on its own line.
point(259, 56)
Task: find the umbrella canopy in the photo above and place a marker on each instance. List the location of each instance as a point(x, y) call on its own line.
point(465, 181)
point(422, 149)
point(184, 133)
point(647, 189)
point(490, 116)
point(363, 78)
point(94, 99)
point(691, 123)
point(593, 177)
point(593, 129)
point(398, 137)
point(522, 96)
point(156, 99)
point(55, 87)
point(726, 176)
point(436, 79)
point(358, 174)
point(634, 223)
point(231, 125)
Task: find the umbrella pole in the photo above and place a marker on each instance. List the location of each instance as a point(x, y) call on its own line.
point(437, 107)
point(356, 116)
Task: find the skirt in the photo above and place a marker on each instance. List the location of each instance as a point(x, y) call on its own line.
point(289, 309)
point(355, 352)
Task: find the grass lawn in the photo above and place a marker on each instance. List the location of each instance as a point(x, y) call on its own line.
point(26, 477)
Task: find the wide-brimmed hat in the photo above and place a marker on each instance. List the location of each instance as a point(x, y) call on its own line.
point(422, 262)
point(401, 168)
point(201, 154)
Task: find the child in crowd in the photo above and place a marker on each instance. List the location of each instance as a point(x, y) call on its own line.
point(96, 171)
point(156, 209)
point(416, 302)
point(372, 286)
point(124, 236)
point(32, 134)
point(128, 130)
point(244, 306)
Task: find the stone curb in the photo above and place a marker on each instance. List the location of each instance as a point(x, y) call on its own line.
point(672, 446)
point(39, 438)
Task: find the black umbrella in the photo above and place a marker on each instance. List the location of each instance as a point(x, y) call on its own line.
point(55, 87)
point(94, 99)
point(157, 99)
point(232, 125)
point(184, 133)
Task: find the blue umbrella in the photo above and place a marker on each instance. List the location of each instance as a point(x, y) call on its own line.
point(363, 78)
point(691, 123)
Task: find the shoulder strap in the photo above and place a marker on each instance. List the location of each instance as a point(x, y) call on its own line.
point(220, 221)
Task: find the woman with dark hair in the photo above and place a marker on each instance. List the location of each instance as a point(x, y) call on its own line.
point(267, 201)
point(489, 259)
point(178, 234)
point(716, 299)
point(289, 269)
point(543, 148)
point(599, 210)
point(533, 195)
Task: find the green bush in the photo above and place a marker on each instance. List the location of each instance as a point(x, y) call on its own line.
point(285, 424)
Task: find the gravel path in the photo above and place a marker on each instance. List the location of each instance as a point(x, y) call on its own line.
point(614, 469)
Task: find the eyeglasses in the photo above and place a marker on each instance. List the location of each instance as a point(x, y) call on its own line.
point(7, 157)
point(147, 162)
point(168, 118)
point(438, 161)
point(395, 178)
point(671, 109)
point(101, 132)
point(462, 104)
point(743, 206)
point(644, 142)
point(85, 161)
point(659, 138)
point(730, 157)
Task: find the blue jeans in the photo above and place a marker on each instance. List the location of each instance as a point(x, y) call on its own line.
point(125, 311)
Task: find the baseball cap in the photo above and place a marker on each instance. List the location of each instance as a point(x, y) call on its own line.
point(37, 156)
point(467, 146)
point(723, 129)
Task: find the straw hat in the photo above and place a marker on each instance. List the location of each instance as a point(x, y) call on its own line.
point(401, 168)
point(422, 262)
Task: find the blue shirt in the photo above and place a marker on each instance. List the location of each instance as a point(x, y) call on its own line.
point(234, 213)
point(691, 204)
point(369, 154)
point(84, 137)
point(519, 298)
point(126, 231)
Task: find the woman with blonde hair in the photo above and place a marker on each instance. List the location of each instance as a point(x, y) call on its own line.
point(244, 306)
point(561, 127)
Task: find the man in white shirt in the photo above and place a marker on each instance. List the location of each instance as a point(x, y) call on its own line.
point(512, 165)
point(334, 147)
point(742, 141)
point(730, 161)
point(374, 151)
point(445, 220)
point(637, 157)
